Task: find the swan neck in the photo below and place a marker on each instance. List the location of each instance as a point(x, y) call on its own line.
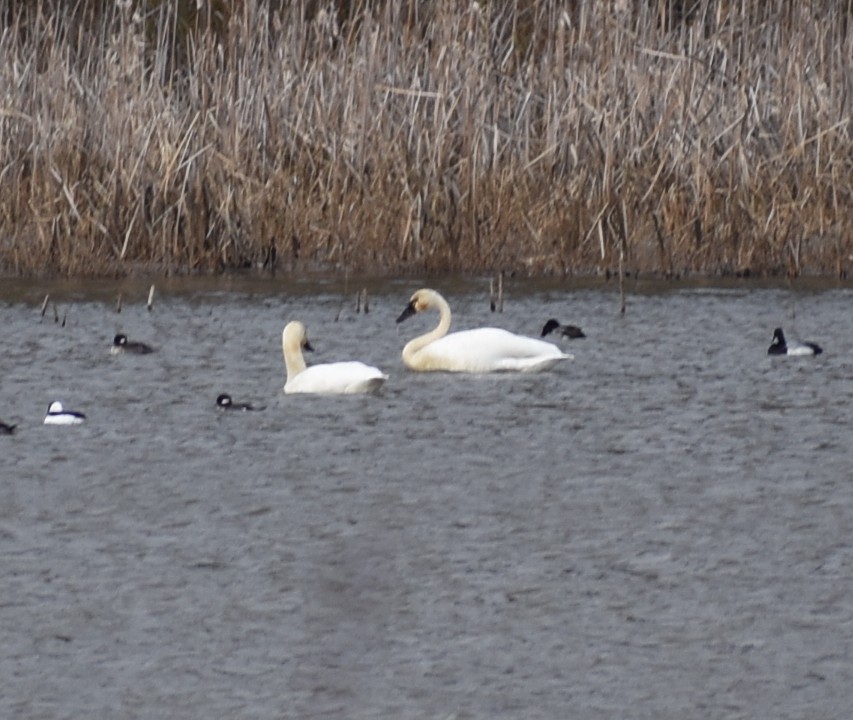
point(294, 362)
point(439, 331)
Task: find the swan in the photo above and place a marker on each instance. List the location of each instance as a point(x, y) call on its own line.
point(780, 347)
point(330, 378)
point(480, 350)
point(570, 331)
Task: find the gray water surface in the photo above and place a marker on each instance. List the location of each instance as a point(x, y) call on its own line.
point(661, 528)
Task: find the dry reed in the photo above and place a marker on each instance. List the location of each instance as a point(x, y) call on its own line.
point(539, 136)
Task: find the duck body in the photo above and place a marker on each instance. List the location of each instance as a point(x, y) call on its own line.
point(226, 402)
point(482, 350)
point(57, 415)
point(339, 378)
point(779, 346)
point(573, 332)
point(6, 428)
point(122, 345)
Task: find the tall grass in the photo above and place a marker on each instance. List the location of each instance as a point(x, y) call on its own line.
point(537, 136)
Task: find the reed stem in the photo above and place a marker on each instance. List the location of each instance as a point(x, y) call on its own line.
point(184, 138)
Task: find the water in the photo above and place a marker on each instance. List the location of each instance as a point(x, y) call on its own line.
point(659, 529)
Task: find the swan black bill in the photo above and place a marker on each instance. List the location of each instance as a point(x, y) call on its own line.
point(408, 312)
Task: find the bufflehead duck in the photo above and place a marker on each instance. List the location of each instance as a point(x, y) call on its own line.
point(6, 428)
point(780, 347)
point(57, 415)
point(570, 331)
point(224, 402)
point(122, 344)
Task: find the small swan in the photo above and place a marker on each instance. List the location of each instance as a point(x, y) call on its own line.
point(6, 428)
point(780, 347)
point(57, 415)
point(326, 379)
point(224, 402)
point(481, 350)
point(121, 344)
point(570, 331)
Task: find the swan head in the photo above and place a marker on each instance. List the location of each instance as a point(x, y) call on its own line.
point(422, 300)
point(295, 337)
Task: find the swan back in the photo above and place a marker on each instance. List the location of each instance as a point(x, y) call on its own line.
point(329, 378)
point(338, 378)
point(481, 350)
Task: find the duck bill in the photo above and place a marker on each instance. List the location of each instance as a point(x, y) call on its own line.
point(408, 312)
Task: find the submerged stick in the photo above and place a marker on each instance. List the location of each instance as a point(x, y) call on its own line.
point(44, 304)
point(492, 294)
point(501, 291)
point(150, 298)
point(118, 303)
point(364, 301)
point(623, 244)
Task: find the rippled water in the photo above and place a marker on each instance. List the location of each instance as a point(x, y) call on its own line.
point(661, 528)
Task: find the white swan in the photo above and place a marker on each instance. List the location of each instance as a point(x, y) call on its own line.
point(477, 351)
point(330, 378)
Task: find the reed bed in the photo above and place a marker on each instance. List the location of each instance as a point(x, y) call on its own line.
point(538, 136)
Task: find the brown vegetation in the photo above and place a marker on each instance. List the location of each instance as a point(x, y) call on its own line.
point(543, 136)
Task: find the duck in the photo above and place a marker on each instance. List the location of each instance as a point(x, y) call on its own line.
point(780, 347)
point(225, 402)
point(481, 350)
point(57, 415)
point(572, 332)
point(6, 428)
point(121, 345)
point(338, 378)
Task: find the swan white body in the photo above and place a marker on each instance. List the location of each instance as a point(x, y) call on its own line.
point(339, 378)
point(482, 350)
point(57, 415)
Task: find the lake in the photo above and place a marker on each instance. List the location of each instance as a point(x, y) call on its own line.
point(660, 528)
